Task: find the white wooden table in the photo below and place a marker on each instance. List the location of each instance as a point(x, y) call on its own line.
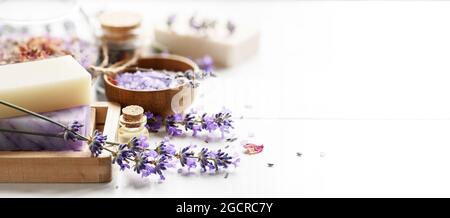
point(361, 89)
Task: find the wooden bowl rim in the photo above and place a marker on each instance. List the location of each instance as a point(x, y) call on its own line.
point(171, 57)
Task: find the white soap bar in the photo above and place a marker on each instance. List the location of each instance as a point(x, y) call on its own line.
point(226, 49)
point(44, 85)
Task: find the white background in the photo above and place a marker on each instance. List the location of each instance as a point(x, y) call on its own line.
point(360, 88)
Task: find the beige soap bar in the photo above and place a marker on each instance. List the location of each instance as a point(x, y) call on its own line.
point(226, 49)
point(44, 85)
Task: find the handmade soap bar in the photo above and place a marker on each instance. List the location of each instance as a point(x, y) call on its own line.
point(25, 142)
point(226, 42)
point(44, 85)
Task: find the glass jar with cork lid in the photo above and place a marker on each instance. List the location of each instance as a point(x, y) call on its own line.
point(132, 124)
point(120, 34)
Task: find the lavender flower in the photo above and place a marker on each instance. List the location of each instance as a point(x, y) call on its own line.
point(172, 123)
point(96, 143)
point(122, 156)
point(194, 24)
point(162, 163)
point(222, 159)
point(210, 160)
point(231, 27)
point(223, 120)
point(204, 158)
point(206, 64)
point(186, 156)
point(165, 148)
point(73, 131)
point(142, 164)
point(194, 76)
point(170, 20)
point(154, 122)
point(209, 123)
point(190, 124)
point(138, 144)
point(174, 131)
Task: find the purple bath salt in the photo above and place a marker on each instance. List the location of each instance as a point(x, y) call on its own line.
point(149, 80)
point(24, 142)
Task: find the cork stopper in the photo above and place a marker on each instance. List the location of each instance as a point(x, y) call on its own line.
point(120, 21)
point(132, 116)
point(119, 26)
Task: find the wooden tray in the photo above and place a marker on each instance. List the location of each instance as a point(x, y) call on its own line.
point(64, 166)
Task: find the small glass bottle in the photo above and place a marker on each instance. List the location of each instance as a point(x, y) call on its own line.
point(132, 124)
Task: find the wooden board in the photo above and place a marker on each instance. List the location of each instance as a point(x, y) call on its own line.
point(64, 166)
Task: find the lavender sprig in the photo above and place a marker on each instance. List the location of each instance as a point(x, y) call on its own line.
point(148, 161)
point(206, 64)
point(194, 24)
point(170, 20)
point(201, 25)
point(208, 160)
point(231, 27)
point(175, 124)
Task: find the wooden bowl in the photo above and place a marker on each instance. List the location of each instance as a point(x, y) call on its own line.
point(162, 102)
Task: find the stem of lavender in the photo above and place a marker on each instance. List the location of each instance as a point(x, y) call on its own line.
point(31, 133)
point(41, 117)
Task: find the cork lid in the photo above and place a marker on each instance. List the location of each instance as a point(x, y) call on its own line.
point(120, 21)
point(132, 113)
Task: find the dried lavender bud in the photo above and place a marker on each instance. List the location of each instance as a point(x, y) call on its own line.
point(231, 139)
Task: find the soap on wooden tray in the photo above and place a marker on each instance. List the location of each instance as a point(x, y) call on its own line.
point(44, 85)
point(228, 43)
point(25, 142)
